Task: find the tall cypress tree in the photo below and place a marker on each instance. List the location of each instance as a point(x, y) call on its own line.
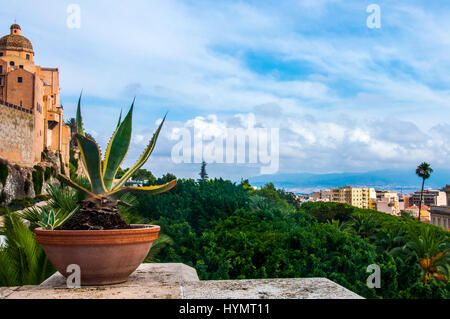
point(203, 174)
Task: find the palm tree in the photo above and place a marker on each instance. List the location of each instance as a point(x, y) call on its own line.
point(388, 241)
point(72, 124)
point(424, 171)
point(22, 259)
point(365, 225)
point(432, 250)
point(343, 226)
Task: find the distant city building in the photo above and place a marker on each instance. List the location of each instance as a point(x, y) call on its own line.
point(385, 205)
point(358, 197)
point(430, 198)
point(440, 216)
point(405, 201)
point(424, 212)
point(302, 198)
point(388, 202)
point(446, 189)
point(133, 183)
point(324, 195)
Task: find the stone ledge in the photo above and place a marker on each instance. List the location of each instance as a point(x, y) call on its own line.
point(6, 291)
point(295, 288)
point(179, 281)
point(147, 275)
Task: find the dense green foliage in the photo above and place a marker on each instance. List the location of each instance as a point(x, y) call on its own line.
point(38, 179)
point(19, 204)
point(232, 231)
point(49, 172)
point(61, 164)
point(22, 259)
point(140, 175)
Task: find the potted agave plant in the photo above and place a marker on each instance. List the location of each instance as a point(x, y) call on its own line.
point(94, 236)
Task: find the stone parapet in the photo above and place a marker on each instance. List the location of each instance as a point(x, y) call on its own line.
point(179, 281)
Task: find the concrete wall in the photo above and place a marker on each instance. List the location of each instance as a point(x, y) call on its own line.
point(16, 127)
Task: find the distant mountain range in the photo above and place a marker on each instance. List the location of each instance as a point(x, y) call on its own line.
point(398, 180)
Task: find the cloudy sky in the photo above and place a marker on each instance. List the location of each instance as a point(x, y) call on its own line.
point(345, 97)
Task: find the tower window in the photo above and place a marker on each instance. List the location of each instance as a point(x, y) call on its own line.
point(19, 79)
point(28, 56)
point(11, 63)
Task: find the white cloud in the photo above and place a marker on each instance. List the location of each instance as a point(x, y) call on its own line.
point(345, 97)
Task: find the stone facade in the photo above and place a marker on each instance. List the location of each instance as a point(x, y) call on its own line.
point(16, 126)
point(34, 90)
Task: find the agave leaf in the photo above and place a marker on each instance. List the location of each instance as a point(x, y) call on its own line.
point(79, 120)
point(142, 159)
point(120, 119)
point(153, 190)
point(51, 220)
point(44, 217)
point(117, 149)
point(71, 183)
point(92, 160)
point(62, 222)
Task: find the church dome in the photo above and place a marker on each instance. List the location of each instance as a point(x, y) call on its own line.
point(15, 41)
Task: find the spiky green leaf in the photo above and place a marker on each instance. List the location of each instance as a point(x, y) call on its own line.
point(91, 157)
point(120, 119)
point(152, 190)
point(79, 120)
point(142, 159)
point(117, 149)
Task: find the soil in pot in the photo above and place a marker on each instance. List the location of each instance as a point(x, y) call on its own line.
point(88, 220)
point(93, 217)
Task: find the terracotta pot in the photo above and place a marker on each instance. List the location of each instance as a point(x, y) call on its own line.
point(104, 256)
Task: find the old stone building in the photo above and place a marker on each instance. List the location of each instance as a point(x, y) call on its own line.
point(31, 117)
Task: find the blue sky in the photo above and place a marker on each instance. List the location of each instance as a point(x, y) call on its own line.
point(345, 97)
